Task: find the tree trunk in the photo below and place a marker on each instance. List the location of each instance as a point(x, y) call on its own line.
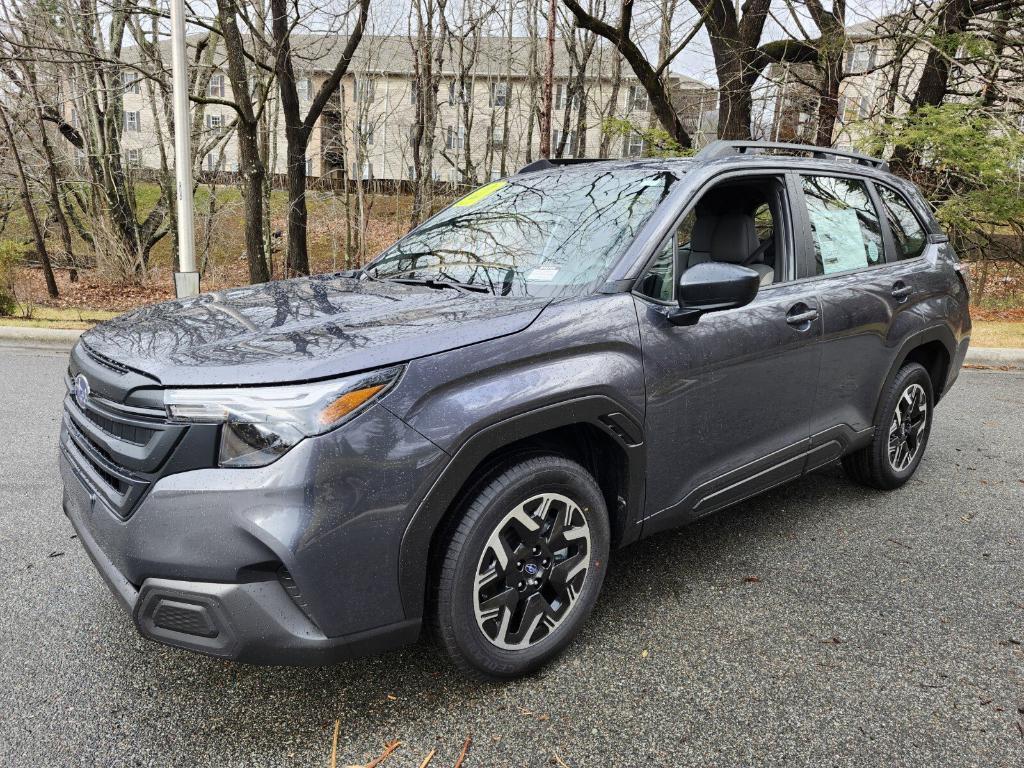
point(735, 103)
point(828, 106)
point(547, 108)
point(30, 213)
point(247, 131)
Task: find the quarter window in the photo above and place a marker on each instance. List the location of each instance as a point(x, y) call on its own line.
point(907, 231)
point(844, 224)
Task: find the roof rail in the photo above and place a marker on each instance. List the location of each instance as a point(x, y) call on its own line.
point(544, 163)
point(721, 148)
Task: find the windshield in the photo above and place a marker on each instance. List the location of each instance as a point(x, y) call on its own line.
point(543, 234)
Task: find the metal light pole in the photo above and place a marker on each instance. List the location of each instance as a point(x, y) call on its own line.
point(186, 278)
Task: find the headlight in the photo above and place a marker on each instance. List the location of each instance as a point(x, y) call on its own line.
point(263, 423)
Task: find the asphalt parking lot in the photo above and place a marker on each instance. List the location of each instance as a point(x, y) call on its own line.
point(822, 624)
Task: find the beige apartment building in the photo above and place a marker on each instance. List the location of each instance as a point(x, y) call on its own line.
point(482, 131)
point(872, 60)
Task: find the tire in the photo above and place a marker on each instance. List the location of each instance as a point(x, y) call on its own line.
point(549, 582)
point(876, 465)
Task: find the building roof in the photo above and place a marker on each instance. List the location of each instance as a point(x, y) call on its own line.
point(393, 55)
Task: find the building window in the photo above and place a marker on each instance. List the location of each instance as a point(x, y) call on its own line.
point(495, 175)
point(216, 86)
point(633, 145)
point(364, 87)
point(412, 173)
point(304, 87)
point(132, 121)
point(499, 94)
point(75, 121)
point(562, 97)
point(848, 109)
point(637, 100)
point(861, 58)
point(309, 166)
point(131, 82)
point(215, 124)
point(134, 158)
point(458, 93)
point(498, 136)
point(212, 162)
point(455, 138)
point(570, 141)
point(365, 132)
point(362, 171)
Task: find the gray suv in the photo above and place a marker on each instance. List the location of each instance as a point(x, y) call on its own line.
point(558, 364)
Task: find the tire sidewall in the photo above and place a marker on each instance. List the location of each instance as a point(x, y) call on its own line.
point(560, 476)
point(912, 373)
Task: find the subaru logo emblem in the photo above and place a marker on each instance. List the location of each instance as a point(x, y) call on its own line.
point(531, 569)
point(81, 390)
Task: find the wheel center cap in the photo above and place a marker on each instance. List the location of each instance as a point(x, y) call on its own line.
point(531, 569)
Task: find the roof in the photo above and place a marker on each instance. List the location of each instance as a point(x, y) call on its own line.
point(393, 55)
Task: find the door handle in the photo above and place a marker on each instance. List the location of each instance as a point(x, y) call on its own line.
point(901, 291)
point(801, 314)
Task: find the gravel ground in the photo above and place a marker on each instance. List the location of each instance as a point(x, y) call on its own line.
point(821, 624)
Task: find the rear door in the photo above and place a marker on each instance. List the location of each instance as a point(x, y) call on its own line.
point(728, 399)
point(862, 288)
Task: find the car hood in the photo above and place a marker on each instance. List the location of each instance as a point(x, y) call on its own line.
point(302, 329)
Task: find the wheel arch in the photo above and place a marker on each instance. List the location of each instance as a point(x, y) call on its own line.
point(595, 431)
point(934, 348)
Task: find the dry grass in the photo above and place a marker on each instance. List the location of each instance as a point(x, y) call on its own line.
point(994, 333)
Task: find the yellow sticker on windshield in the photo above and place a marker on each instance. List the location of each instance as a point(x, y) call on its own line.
point(477, 195)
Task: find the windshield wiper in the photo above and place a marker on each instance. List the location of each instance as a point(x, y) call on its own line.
point(430, 282)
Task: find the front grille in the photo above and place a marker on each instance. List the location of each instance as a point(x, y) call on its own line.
point(130, 433)
point(119, 438)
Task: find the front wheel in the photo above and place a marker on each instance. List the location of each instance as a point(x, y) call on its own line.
point(522, 568)
point(901, 434)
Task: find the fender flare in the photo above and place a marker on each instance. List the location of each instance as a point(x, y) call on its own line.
point(597, 410)
point(940, 333)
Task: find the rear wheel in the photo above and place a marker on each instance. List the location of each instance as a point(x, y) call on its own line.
point(522, 567)
point(901, 435)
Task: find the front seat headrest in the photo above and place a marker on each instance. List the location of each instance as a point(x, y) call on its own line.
point(734, 238)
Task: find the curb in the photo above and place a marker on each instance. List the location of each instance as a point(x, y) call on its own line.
point(40, 338)
point(996, 357)
point(62, 338)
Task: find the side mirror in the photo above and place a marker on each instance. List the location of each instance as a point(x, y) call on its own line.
point(712, 287)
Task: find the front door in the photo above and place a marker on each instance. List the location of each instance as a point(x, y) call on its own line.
point(728, 399)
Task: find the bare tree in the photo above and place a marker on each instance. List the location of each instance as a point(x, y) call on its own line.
point(27, 204)
point(299, 128)
point(653, 78)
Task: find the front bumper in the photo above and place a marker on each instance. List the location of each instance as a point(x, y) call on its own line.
point(197, 564)
point(255, 622)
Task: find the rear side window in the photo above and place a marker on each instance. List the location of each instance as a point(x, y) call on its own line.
point(907, 231)
point(844, 224)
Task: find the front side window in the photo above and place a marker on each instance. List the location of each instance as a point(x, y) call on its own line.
point(545, 234)
point(906, 229)
point(658, 282)
point(844, 224)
